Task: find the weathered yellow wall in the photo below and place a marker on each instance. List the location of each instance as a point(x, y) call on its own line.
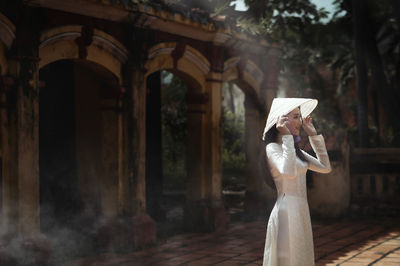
point(330, 195)
point(214, 89)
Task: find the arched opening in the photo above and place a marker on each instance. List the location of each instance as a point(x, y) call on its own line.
point(77, 153)
point(59, 44)
point(168, 127)
point(252, 199)
point(233, 148)
point(57, 145)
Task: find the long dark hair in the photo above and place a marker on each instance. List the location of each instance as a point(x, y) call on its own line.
point(272, 135)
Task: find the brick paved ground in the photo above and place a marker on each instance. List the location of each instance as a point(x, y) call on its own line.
point(350, 242)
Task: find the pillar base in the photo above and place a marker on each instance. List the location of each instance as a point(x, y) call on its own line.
point(144, 230)
point(112, 235)
point(31, 250)
point(126, 234)
point(205, 216)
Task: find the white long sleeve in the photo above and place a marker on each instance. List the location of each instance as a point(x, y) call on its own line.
point(282, 158)
point(320, 164)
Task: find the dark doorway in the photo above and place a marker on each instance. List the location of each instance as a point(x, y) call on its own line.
point(166, 131)
point(77, 154)
point(57, 146)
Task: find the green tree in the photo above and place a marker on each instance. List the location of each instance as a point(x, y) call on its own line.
point(174, 128)
point(345, 45)
point(233, 155)
point(376, 51)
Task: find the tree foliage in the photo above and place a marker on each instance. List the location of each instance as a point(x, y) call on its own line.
point(379, 45)
point(307, 44)
point(174, 130)
point(232, 134)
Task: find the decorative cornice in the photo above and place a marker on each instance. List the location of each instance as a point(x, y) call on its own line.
point(182, 22)
point(161, 51)
point(65, 36)
point(232, 62)
point(181, 51)
point(197, 61)
point(74, 32)
point(110, 44)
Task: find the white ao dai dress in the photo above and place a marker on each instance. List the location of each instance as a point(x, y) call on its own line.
point(289, 240)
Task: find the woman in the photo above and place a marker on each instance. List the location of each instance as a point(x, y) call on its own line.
point(289, 237)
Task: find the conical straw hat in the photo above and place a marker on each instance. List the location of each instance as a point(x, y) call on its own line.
point(283, 106)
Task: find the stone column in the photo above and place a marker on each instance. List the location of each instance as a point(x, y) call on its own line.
point(25, 114)
point(132, 227)
point(28, 150)
point(133, 181)
point(137, 137)
point(214, 90)
point(257, 192)
point(115, 230)
point(204, 209)
point(260, 190)
point(9, 199)
point(195, 209)
point(219, 217)
point(131, 134)
point(21, 220)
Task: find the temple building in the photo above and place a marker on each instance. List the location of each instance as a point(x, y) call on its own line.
point(80, 114)
point(81, 126)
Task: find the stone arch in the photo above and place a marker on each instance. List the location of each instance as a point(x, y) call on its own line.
point(84, 96)
point(59, 43)
point(244, 72)
point(249, 77)
point(191, 65)
point(7, 36)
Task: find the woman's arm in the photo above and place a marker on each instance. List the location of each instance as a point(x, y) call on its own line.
point(320, 164)
point(283, 160)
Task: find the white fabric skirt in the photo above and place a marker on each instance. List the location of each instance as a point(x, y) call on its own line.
point(289, 239)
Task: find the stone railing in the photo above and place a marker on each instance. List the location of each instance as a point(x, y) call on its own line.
point(375, 181)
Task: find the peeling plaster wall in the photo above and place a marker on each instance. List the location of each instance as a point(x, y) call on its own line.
point(330, 195)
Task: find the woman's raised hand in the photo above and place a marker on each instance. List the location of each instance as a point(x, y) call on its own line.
point(309, 127)
point(282, 123)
